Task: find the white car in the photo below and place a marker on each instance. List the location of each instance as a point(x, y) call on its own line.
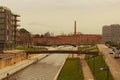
point(111, 51)
point(116, 53)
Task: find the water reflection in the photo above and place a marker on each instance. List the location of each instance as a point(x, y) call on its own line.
point(43, 70)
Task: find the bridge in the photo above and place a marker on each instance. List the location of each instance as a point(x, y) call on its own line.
point(74, 45)
point(61, 52)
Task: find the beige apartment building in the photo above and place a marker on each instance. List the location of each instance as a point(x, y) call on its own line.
point(8, 26)
point(111, 33)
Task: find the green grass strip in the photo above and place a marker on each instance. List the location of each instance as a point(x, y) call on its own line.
point(33, 49)
point(81, 48)
point(90, 49)
point(95, 63)
point(71, 70)
point(93, 49)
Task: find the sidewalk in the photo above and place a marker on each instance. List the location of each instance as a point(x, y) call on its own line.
point(114, 66)
point(18, 66)
point(13, 51)
point(86, 70)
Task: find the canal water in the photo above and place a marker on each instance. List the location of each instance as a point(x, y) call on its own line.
point(45, 69)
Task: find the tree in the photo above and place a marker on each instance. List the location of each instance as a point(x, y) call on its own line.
point(47, 34)
point(42, 35)
point(25, 37)
point(37, 36)
point(79, 33)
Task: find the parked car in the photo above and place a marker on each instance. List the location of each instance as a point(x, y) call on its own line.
point(116, 53)
point(114, 49)
point(111, 51)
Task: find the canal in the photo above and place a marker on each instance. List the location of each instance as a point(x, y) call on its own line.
point(45, 69)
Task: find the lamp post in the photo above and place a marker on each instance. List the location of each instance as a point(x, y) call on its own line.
point(107, 71)
point(7, 76)
point(94, 65)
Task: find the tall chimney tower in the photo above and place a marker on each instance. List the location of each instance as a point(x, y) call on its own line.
point(74, 28)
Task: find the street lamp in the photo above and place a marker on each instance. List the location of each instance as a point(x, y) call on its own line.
point(7, 76)
point(107, 70)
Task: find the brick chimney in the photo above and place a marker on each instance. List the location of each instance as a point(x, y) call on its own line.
point(74, 28)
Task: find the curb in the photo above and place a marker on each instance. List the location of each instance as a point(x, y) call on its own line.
point(56, 76)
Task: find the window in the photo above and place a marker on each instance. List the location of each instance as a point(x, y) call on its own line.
point(13, 22)
point(2, 20)
point(2, 10)
point(2, 26)
point(13, 38)
point(2, 37)
point(7, 32)
point(2, 14)
point(2, 31)
point(13, 17)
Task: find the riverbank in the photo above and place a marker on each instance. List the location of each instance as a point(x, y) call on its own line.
point(9, 70)
point(5, 72)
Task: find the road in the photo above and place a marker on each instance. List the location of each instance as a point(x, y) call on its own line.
point(45, 69)
point(113, 64)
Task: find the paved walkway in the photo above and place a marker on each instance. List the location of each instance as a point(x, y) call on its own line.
point(114, 66)
point(13, 51)
point(86, 70)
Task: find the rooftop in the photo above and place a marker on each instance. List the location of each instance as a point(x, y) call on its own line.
point(6, 8)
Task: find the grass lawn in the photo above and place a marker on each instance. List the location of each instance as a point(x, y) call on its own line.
point(98, 62)
point(33, 49)
point(71, 70)
point(90, 49)
point(93, 49)
point(81, 48)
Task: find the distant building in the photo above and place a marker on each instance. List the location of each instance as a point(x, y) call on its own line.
point(8, 26)
point(111, 33)
point(72, 40)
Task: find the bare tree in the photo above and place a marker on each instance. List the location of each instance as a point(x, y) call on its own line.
point(25, 37)
point(47, 34)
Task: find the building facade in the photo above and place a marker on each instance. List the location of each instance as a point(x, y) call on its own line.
point(8, 26)
point(111, 33)
point(72, 40)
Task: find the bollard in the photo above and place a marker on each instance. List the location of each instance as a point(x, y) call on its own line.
point(7, 76)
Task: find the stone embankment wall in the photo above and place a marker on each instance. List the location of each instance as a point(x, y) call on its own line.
point(8, 59)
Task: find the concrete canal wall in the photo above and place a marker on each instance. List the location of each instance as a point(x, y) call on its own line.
point(23, 64)
point(8, 70)
point(5, 72)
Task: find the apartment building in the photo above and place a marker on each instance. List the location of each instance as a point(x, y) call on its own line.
point(8, 26)
point(111, 33)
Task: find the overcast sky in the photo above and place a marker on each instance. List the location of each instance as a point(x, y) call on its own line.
point(40, 16)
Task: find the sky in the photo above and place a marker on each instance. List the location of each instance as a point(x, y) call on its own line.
point(58, 16)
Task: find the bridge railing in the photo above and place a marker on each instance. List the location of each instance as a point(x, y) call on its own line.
point(61, 52)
